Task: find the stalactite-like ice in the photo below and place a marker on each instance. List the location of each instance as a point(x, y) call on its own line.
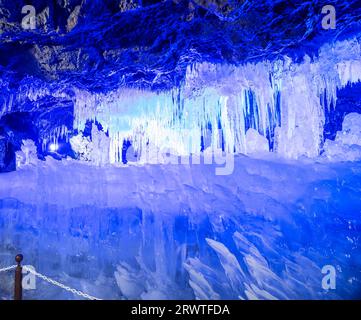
point(283, 100)
point(94, 149)
point(54, 136)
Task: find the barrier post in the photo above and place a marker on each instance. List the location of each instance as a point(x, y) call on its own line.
point(18, 289)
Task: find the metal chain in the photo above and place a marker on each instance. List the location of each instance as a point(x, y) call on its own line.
point(60, 285)
point(8, 268)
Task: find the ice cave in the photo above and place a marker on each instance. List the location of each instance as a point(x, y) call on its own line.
point(181, 149)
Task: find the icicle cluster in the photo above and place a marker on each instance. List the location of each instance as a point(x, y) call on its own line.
point(58, 133)
point(283, 101)
point(30, 90)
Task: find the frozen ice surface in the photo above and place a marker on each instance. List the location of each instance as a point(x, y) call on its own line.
point(181, 232)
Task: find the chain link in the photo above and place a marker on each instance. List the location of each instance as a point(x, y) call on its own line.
point(8, 268)
point(60, 285)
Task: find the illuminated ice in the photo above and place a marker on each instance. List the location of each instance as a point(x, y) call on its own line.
point(27, 155)
point(181, 232)
point(283, 101)
point(347, 144)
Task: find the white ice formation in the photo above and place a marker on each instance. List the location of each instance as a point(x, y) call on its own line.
point(93, 149)
point(282, 101)
point(27, 155)
point(347, 145)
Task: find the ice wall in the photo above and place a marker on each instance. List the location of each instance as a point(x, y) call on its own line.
point(181, 232)
point(283, 100)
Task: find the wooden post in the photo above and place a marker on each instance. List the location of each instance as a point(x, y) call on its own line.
point(18, 292)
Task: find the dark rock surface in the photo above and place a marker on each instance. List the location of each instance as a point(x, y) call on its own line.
point(102, 45)
point(7, 155)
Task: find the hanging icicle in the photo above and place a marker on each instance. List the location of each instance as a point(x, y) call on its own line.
point(283, 101)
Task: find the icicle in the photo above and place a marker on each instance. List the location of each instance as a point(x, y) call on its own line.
point(53, 137)
point(281, 100)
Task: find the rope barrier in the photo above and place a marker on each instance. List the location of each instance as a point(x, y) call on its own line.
point(60, 285)
point(18, 287)
point(8, 268)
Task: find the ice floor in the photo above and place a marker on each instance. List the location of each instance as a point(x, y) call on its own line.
point(181, 232)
